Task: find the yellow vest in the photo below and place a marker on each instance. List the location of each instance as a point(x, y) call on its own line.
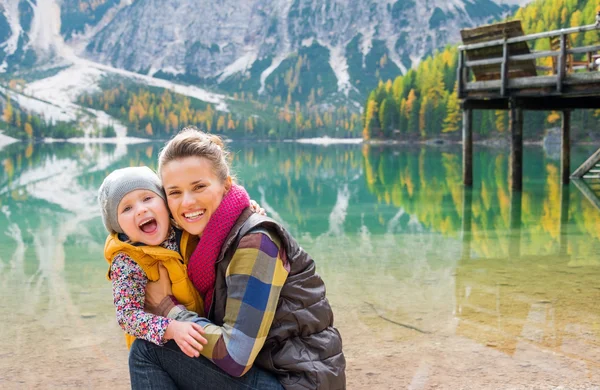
point(148, 258)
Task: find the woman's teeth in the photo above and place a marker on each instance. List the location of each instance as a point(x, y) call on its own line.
point(194, 214)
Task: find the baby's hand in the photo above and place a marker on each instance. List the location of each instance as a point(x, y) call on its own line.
point(255, 207)
point(188, 335)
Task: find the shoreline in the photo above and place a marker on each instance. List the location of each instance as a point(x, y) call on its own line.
point(6, 140)
point(323, 141)
point(112, 140)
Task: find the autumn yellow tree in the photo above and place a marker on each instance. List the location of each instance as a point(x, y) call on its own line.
point(28, 130)
point(8, 112)
point(149, 129)
point(453, 112)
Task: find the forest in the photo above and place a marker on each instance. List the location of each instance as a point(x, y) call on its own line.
point(157, 113)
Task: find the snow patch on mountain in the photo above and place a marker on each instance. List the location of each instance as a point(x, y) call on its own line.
point(11, 12)
point(339, 65)
point(241, 65)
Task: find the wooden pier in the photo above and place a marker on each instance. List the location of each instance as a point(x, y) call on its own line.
point(498, 71)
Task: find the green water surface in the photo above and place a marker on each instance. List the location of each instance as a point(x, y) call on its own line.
point(407, 254)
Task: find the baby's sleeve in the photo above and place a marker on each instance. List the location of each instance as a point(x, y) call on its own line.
point(129, 283)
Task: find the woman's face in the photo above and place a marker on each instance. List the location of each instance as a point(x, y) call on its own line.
point(193, 192)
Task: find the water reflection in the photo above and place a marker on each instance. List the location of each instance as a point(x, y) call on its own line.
point(530, 303)
point(397, 238)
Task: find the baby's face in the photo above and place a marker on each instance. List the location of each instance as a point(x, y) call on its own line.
point(144, 217)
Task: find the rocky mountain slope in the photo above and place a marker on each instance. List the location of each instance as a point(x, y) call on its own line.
point(270, 47)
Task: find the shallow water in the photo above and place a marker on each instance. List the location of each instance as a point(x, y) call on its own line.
point(432, 286)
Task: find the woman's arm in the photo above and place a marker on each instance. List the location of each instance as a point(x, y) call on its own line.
point(254, 280)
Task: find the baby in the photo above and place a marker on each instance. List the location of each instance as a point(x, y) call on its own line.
point(141, 238)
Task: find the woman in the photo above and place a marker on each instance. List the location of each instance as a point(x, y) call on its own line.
point(267, 321)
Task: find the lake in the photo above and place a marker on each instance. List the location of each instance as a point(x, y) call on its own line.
point(433, 286)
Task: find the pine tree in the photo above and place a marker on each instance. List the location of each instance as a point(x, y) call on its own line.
point(453, 113)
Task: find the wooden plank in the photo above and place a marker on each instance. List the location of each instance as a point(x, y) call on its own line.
point(493, 70)
point(530, 37)
point(587, 192)
point(504, 70)
point(534, 55)
point(536, 103)
point(514, 59)
point(460, 73)
point(561, 63)
point(538, 81)
point(584, 49)
point(587, 165)
point(522, 82)
point(582, 78)
point(486, 32)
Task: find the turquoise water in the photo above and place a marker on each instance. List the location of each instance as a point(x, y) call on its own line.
point(432, 286)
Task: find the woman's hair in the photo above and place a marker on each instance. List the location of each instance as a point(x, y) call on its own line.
point(191, 142)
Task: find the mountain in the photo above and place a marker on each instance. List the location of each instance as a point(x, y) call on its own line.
point(289, 50)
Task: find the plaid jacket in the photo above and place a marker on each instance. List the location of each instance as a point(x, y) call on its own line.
point(254, 276)
point(270, 309)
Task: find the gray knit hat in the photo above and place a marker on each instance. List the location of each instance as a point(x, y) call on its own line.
point(118, 184)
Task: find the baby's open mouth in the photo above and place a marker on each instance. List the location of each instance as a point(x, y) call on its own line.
point(148, 225)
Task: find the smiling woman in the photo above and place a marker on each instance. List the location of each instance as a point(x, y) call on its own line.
point(194, 191)
point(267, 321)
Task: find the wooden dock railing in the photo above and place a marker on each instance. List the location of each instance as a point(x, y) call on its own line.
point(498, 56)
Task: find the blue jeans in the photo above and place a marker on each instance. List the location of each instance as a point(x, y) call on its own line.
point(154, 367)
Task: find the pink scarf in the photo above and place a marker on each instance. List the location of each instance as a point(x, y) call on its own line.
point(201, 267)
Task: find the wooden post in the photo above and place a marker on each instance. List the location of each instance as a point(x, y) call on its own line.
point(467, 147)
point(565, 151)
point(467, 223)
point(564, 219)
point(562, 59)
point(516, 146)
point(460, 73)
point(504, 69)
point(514, 244)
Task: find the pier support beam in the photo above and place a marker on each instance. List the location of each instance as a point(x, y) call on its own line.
point(466, 227)
point(467, 147)
point(564, 219)
point(516, 147)
point(514, 244)
point(565, 148)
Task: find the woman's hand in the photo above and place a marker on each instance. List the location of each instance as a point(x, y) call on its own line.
point(188, 335)
point(157, 291)
point(254, 206)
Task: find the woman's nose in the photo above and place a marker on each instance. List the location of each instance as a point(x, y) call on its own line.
point(187, 200)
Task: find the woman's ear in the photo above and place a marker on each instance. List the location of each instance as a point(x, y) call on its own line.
point(228, 183)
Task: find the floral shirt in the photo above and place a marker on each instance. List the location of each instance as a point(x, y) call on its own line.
point(129, 284)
